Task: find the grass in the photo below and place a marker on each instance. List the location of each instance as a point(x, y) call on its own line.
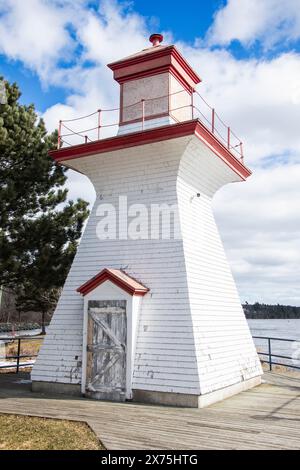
point(30, 433)
point(12, 370)
point(28, 347)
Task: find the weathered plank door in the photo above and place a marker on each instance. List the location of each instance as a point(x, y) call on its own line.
point(106, 350)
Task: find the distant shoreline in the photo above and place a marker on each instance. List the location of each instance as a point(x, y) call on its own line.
point(259, 311)
point(256, 311)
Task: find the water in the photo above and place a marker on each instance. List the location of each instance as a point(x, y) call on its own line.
point(281, 328)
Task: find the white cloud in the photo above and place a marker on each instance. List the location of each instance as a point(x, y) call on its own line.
point(34, 31)
point(260, 226)
point(44, 33)
point(269, 21)
point(260, 99)
point(111, 33)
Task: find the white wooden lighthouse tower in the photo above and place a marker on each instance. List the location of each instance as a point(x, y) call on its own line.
point(150, 311)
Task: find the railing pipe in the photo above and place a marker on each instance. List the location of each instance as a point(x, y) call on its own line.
point(192, 103)
point(17, 365)
point(99, 123)
point(18, 356)
point(270, 353)
point(210, 122)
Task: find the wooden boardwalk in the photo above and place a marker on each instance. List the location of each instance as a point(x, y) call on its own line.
point(266, 417)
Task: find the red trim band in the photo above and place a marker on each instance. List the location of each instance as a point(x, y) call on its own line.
point(159, 61)
point(157, 134)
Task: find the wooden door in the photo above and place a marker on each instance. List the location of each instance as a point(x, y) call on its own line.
point(106, 350)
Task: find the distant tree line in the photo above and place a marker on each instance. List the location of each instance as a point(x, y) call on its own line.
point(258, 310)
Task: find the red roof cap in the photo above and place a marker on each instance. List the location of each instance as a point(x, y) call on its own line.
point(156, 39)
point(155, 60)
point(119, 278)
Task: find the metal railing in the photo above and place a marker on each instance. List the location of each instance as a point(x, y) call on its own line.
point(270, 355)
point(105, 123)
point(17, 358)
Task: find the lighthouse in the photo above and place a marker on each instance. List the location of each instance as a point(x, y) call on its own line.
point(150, 311)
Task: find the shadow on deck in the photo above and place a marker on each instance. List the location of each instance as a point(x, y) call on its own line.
point(266, 417)
point(15, 382)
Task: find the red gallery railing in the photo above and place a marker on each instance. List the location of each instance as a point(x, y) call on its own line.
point(105, 123)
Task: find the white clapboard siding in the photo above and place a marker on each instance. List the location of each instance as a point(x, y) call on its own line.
point(192, 334)
point(224, 346)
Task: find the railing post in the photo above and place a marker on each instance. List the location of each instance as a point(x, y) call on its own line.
point(213, 120)
point(18, 355)
point(99, 123)
point(270, 353)
point(85, 139)
point(143, 114)
point(241, 151)
point(59, 135)
point(192, 103)
point(228, 138)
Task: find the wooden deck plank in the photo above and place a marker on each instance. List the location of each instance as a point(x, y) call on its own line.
point(266, 417)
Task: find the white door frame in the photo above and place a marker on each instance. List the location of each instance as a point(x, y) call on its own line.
point(109, 291)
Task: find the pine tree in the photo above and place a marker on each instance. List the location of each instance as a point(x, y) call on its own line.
point(39, 228)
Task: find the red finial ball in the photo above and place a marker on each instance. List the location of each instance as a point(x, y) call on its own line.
point(156, 39)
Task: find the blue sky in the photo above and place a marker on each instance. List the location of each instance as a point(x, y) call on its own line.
point(187, 19)
point(29, 83)
point(248, 54)
point(187, 22)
